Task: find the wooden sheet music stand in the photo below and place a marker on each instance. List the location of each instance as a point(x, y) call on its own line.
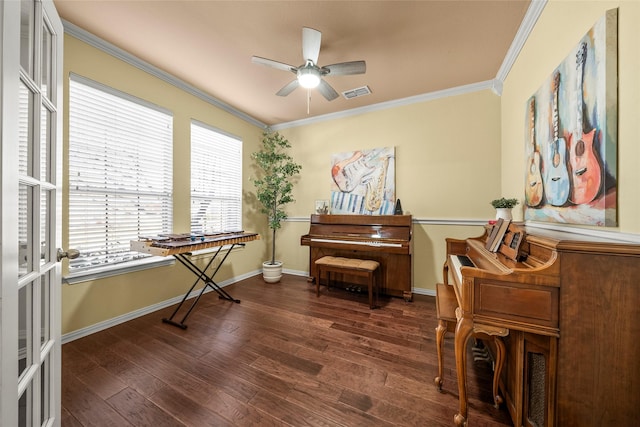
point(511, 242)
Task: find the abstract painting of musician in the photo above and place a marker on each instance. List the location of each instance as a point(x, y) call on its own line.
point(363, 182)
point(571, 135)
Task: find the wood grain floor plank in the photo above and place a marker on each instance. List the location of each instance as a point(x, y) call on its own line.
point(140, 411)
point(187, 410)
point(128, 372)
point(88, 408)
point(102, 382)
point(241, 413)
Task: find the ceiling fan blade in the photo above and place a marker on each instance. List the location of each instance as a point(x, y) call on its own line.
point(345, 68)
point(327, 91)
point(273, 64)
point(288, 88)
point(311, 44)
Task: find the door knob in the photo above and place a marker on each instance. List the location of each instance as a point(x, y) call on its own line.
point(70, 254)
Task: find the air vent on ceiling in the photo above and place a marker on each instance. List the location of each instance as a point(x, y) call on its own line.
point(354, 93)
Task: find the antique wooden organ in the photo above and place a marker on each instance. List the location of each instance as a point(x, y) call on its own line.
point(565, 311)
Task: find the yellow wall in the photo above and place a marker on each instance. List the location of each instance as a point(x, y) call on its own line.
point(91, 302)
point(453, 156)
point(447, 168)
point(560, 27)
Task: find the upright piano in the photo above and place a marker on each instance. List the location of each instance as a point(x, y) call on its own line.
point(566, 311)
point(382, 238)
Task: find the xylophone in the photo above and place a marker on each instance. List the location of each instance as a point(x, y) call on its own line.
point(173, 244)
point(182, 246)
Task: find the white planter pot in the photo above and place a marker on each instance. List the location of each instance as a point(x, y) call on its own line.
point(271, 273)
point(504, 213)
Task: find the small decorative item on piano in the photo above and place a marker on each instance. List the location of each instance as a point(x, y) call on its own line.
point(322, 207)
point(398, 210)
point(512, 240)
point(503, 207)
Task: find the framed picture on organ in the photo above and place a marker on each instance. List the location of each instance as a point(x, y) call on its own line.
point(571, 134)
point(363, 182)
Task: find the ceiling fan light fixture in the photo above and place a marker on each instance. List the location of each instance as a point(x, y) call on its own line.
point(308, 78)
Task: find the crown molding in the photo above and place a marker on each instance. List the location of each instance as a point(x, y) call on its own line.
point(92, 40)
point(445, 93)
point(531, 17)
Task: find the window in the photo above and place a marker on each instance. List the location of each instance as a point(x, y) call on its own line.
point(120, 174)
point(216, 180)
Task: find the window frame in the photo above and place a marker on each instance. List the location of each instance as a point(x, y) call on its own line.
point(203, 162)
point(139, 261)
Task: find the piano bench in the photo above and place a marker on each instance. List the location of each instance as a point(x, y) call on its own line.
point(349, 266)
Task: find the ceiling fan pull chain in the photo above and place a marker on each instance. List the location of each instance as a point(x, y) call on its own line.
point(308, 100)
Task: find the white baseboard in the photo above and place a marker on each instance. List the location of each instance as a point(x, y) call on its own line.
point(71, 336)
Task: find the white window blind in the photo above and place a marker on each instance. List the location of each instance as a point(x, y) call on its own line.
point(216, 180)
point(120, 173)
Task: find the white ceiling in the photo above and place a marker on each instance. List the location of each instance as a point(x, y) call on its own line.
point(411, 47)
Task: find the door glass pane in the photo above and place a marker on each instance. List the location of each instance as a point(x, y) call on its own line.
point(45, 307)
point(24, 408)
point(45, 143)
point(25, 137)
point(46, 74)
point(45, 200)
point(25, 229)
point(27, 11)
point(25, 331)
point(44, 391)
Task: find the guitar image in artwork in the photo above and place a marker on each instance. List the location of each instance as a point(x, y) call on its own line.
point(349, 173)
point(556, 182)
point(533, 183)
point(586, 173)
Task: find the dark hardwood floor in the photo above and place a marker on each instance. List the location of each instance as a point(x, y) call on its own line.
point(280, 357)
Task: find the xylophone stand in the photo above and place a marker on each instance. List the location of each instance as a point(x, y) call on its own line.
point(208, 282)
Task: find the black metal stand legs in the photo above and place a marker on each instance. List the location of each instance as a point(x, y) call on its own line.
point(208, 283)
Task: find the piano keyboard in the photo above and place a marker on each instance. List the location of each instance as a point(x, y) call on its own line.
point(465, 261)
point(459, 261)
point(357, 242)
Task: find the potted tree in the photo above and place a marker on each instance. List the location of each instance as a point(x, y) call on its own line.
point(273, 190)
point(503, 207)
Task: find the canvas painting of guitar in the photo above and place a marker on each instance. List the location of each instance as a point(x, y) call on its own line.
point(363, 182)
point(556, 181)
point(586, 173)
point(533, 183)
point(575, 130)
point(349, 173)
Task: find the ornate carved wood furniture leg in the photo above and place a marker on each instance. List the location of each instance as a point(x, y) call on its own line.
point(464, 330)
point(494, 333)
point(441, 330)
point(446, 304)
point(500, 349)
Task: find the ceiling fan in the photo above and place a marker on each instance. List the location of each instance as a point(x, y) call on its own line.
point(310, 75)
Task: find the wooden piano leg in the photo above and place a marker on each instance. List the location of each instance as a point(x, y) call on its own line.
point(501, 351)
point(464, 330)
point(441, 330)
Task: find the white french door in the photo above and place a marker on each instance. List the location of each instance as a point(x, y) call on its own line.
point(30, 151)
